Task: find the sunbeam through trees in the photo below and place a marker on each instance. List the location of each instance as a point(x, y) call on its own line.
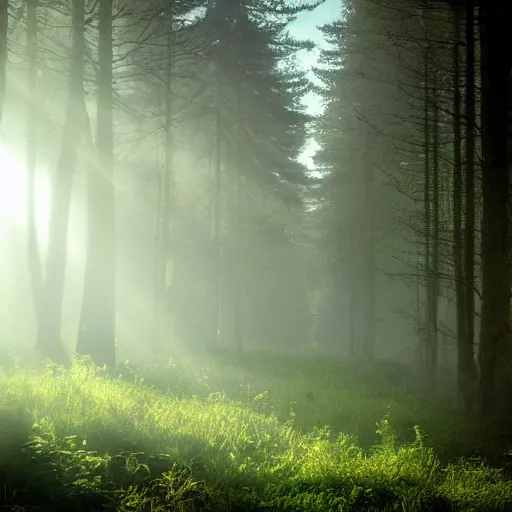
point(255, 255)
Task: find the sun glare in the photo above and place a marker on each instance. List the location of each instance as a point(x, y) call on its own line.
point(13, 196)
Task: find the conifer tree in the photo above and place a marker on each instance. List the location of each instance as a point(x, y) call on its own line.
point(254, 114)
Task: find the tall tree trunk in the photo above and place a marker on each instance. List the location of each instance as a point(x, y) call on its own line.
point(421, 323)
point(460, 254)
point(368, 235)
point(48, 340)
point(164, 216)
point(354, 266)
point(34, 260)
point(495, 356)
point(237, 270)
point(460, 300)
point(96, 335)
point(4, 23)
point(435, 271)
point(218, 216)
point(427, 205)
point(467, 352)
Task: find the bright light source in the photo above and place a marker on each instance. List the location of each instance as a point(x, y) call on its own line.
point(13, 196)
point(12, 187)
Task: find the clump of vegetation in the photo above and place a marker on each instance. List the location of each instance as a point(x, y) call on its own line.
point(80, 439)
point(311, 391)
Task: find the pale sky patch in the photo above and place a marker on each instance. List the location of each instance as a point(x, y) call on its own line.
point(306, 27)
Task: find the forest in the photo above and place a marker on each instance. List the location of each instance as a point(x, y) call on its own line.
point(255, 255)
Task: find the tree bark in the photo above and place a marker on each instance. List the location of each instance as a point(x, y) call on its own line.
point(495, 356)
point(96, 336)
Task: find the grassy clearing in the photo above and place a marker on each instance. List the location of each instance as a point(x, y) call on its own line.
point(350, 398)
point(78, 439)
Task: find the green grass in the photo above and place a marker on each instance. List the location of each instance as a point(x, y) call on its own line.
point(151, 439)
point(348, 397)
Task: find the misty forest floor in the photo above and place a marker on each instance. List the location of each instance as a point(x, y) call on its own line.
point(237, 435)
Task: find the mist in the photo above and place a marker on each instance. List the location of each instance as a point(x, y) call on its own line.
point(254, 255)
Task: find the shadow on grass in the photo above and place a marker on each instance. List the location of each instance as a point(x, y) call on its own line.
point(349, 397)
point(41, 472)
point(79, 440)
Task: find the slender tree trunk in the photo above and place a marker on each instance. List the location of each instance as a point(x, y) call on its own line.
point(457, 209)
point(164, 216)
point(238, 274)
point(495, 357)
point(218, 216)
point(435, 271)
point(353, 292)
point(96, 335)
point(465, 385)
point(157, 269)
point(427, 205)
point(34, 260)
point(168, 182)
point(4, 22)
point(48, 340)
point(421, 323)
point(467, 349)
point(369, 266)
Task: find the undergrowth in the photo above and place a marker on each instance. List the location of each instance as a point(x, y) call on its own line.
point(78, 439)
